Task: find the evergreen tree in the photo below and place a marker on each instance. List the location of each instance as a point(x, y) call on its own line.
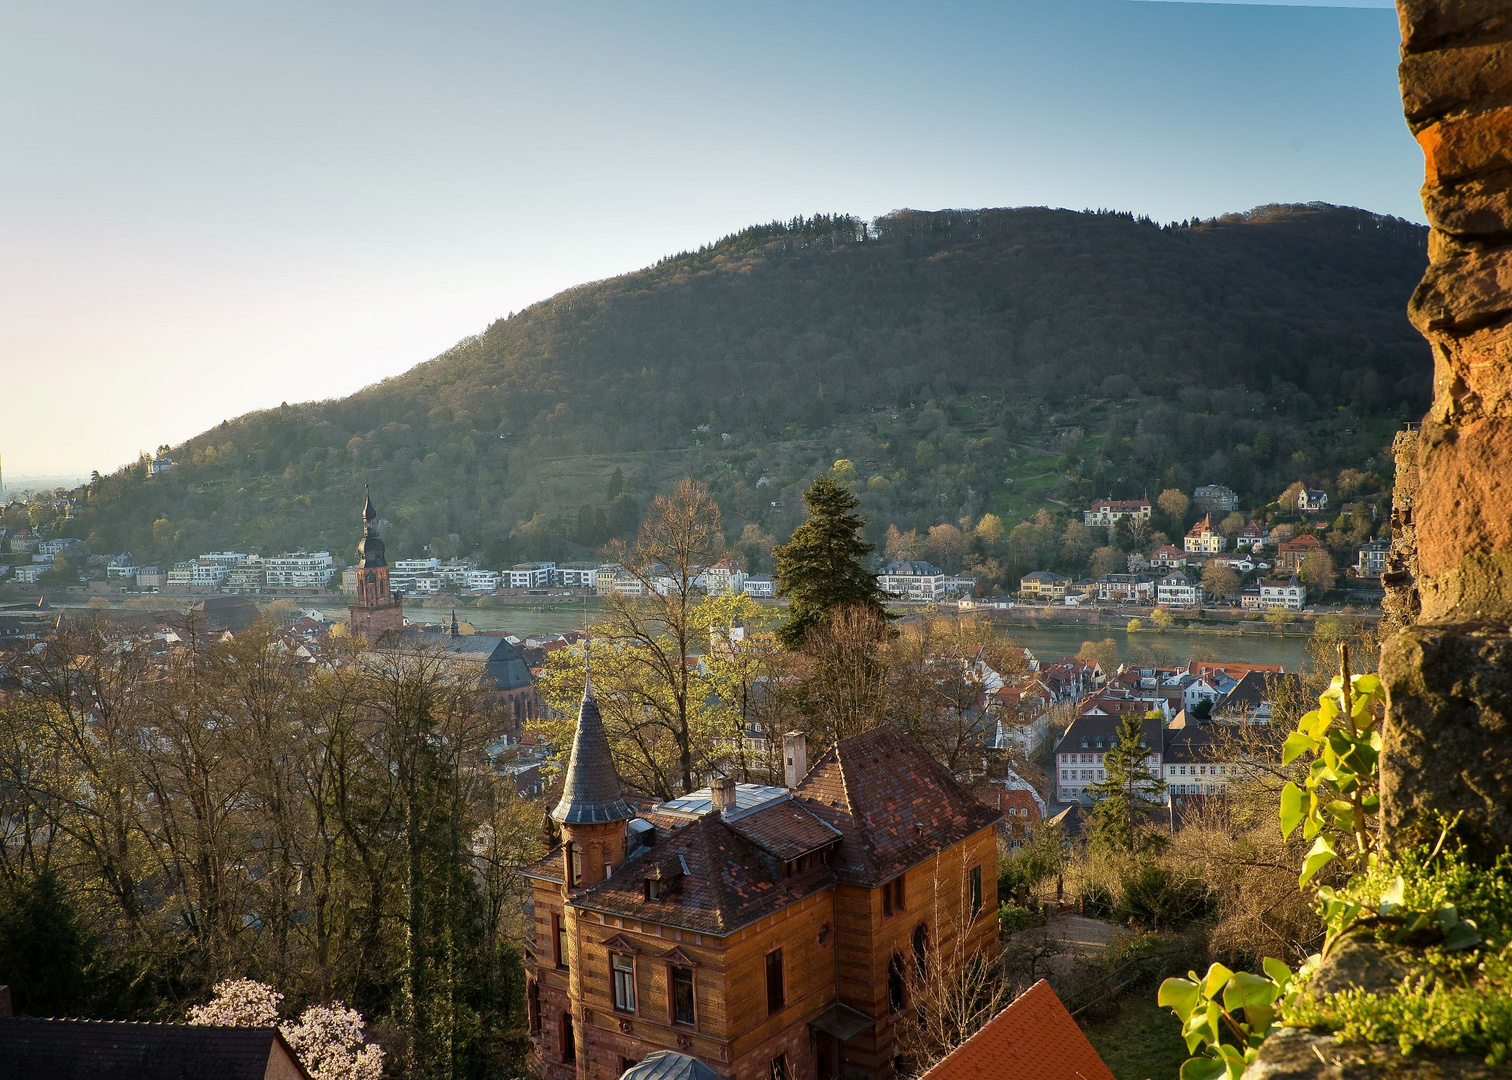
point(819, 570)
point(1129, 790)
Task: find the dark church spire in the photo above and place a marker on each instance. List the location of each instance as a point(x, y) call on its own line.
point(370, 547)
point(591, 793)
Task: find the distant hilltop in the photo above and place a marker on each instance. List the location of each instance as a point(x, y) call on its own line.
point(962, 361)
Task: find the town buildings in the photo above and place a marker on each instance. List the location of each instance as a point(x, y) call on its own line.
point(766, 931)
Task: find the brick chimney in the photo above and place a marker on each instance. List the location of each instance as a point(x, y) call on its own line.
point(794, 758)
point(723, 791)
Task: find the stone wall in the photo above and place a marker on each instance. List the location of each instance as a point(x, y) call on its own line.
point(1456, 77)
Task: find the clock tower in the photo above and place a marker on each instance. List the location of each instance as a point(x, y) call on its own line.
point(376, 611)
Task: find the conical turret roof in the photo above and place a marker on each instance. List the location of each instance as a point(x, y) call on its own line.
point(591, 793)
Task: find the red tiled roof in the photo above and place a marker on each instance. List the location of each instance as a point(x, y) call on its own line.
point(1032, 1039)
point(786, 830)
point(894, 805)
point(725, 888)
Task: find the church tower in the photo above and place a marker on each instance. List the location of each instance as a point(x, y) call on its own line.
point(376, 611)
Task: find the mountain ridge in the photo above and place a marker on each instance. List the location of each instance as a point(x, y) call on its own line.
point(915, 344)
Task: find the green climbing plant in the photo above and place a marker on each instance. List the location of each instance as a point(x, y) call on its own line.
point(1339, 801)
point(1226, 1015)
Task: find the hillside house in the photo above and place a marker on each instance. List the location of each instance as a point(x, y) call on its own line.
point(1126, 588)
point(1250, 538)
point(914, 580)
point(760, 587)
point(1043, 585)
point(1311, 501)
point(1203, 539)
point(1169, 556)
point(1287, 593)
point(765, 931)
point(1178, 589)
point(1291, 554)
point(1108, 512)
point(1371, 561)
point(1215, 499)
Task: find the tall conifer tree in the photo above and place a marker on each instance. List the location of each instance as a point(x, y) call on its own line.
point(1129, 790)
point(819, 570)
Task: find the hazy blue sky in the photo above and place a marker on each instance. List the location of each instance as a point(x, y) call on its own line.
point(207, 208)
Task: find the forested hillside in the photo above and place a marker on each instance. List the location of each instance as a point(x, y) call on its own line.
point(964, 361)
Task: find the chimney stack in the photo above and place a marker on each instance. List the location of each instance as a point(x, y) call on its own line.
point(722, 790)
point(794, 758)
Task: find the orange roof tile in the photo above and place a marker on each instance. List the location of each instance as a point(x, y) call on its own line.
point(1032, 1039)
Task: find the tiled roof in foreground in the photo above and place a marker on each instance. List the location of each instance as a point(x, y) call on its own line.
point(37, 1049)
point(1034, 1038)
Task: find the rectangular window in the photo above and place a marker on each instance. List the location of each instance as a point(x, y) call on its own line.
point(559, 939)
point(622, 976)
point(976, 891)
point(575, 857)
point(682, 995)
point(780, 1067)
point(776, 994)
point(892, 896)
point(533, 1006)
point(569, 1043)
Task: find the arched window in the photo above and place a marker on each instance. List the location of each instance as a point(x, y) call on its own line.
point(921, 951)
point(895, 983)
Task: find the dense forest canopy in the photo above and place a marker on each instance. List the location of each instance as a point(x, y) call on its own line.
point(965, 361)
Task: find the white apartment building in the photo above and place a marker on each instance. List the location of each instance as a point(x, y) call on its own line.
point(228, 558)
point(29, 574)
point(577, 576)
point(196, 575)
point(483, 580)
point(403, 572)
point(914, 580)
point(454, 572)
point(530, 575)
point(249, 578)
point(299, 570)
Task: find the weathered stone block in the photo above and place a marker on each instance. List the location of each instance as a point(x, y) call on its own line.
point(1447, 736)
point(1463, 292)
point(1464, 527)
point(1476, 370)
point(1480, 206)
point(1427, 24)
point(1294, 1054)
point(1467, 143)
point(1435, 82)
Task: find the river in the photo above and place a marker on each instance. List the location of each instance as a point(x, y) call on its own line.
point(1047, 642)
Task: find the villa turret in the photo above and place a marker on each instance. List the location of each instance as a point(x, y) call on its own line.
point(592, 811)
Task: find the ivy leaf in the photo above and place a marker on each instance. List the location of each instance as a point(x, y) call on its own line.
point(1291, 808)
point(1180, 995)
point(1321, 855)
point(1215, 979)
point(1203, 1069)
point(1462, 935)
point(1277, 970)
point(1392, 896)
point(1343, 815)
point(1296, 745)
